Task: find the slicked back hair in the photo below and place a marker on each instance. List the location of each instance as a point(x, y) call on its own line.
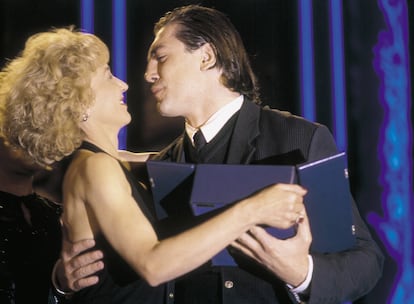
point(199, 25)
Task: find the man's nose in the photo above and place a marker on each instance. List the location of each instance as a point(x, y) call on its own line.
point(151, 74)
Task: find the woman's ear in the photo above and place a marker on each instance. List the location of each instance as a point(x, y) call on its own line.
point(208, 57)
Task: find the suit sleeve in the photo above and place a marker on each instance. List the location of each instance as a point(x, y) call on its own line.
point(347, 275)
point(322, 144)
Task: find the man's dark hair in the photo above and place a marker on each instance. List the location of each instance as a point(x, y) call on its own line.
point(199, 25)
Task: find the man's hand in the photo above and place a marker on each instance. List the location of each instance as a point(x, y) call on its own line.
point(288, 259)
point(75, 269)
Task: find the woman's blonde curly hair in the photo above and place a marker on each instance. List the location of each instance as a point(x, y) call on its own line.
point(46, 90)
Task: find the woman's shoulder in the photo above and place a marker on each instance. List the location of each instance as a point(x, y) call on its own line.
point(88, 165)
point(95, 176)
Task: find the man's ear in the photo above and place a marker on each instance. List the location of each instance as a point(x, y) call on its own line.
point(208, 57)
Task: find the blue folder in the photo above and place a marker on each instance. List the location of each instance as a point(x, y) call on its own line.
point(165, 178)
point(328, 203)
point(199, 190)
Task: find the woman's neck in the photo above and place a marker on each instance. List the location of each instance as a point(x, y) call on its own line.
point(107, 144)
point(102, 135)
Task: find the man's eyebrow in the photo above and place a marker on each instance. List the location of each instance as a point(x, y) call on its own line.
point(153, 50)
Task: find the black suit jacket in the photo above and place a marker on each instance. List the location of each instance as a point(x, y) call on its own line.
point(263, 135)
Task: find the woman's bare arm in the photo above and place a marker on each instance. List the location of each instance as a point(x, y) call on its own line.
point(132, 157)
point(117, 215)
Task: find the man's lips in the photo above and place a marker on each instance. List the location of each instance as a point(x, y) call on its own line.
point(156, 90)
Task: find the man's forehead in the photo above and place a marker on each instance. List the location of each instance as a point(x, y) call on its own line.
point(154, 47)
point(166, 35)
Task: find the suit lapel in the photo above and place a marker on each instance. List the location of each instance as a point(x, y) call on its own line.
point(173, 152)
point(178, 151)
point(241, 149)
point(246, 130)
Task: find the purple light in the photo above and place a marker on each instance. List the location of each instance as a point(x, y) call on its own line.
point(306, 59)
point(395, 147)
point(119, 56)
point(337, 70)
point(87, 15)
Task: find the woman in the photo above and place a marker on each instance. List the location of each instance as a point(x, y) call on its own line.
point(30, 235)
point(30, 229)
point(67, 101)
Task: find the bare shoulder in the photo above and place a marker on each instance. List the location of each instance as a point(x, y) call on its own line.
point(94, 170)
point(99, 166)
point(87, 188)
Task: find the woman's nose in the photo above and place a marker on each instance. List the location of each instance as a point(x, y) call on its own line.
point(123, 84)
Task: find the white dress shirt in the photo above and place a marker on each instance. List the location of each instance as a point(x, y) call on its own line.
point(214, 124)
point(210, 129)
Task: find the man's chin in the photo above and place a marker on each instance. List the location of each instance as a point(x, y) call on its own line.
point(167, 109)
point(163, 110)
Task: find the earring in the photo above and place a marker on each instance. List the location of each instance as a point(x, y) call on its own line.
point(85, 117)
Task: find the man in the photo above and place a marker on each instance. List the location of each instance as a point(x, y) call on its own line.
point(199, 69)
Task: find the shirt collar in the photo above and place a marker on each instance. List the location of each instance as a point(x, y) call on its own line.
point(214, 124)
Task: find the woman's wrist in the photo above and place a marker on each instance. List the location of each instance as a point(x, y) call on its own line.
point(246, 212)
point(55, 282)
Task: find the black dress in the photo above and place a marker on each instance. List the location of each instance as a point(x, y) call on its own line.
point(30, 241)
point(118, 283)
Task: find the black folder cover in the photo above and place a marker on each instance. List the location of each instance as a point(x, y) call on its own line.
point(192, 190)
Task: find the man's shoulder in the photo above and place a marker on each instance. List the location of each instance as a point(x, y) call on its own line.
point(273, 115)
point(285, 119)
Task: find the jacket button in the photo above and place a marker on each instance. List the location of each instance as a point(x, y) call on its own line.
point(228, 284)
point(171, 295)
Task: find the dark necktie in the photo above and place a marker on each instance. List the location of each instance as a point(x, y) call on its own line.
point(199, 140)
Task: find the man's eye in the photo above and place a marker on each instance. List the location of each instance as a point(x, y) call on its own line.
point(161, 58)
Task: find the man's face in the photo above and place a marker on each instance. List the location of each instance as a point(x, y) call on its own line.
point(174, 74)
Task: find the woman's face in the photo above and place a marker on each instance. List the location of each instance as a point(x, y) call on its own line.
point(109, 105)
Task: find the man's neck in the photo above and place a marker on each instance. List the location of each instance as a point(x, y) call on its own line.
point(203, 113)
point(214, 124)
